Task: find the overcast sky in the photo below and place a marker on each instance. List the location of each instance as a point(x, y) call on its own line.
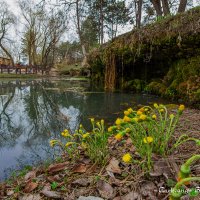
point(71, 33)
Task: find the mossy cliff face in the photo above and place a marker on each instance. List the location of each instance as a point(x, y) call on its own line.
point(152, 54)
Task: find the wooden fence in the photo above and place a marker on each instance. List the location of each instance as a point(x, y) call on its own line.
point(23, 69)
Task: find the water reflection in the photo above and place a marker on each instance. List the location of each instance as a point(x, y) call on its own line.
point(31, 112)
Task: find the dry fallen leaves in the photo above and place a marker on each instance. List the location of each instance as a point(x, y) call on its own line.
point(30, 186)
point(113, 166)
point(30, 175)
point(57, 167)
point(82, 182)
point(80, 168)
point(51, 194)
point(105, 190)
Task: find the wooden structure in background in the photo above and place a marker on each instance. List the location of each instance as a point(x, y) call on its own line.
point(6, 67)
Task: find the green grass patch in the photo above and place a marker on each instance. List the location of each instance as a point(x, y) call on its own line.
point(25, 76)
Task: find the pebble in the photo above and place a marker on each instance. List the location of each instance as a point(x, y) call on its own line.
point(89, 198)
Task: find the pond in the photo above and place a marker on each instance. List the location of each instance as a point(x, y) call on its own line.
point(32, 112)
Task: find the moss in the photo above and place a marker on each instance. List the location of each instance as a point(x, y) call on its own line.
point(156, 88)
point(167, 49)
point(134, 85)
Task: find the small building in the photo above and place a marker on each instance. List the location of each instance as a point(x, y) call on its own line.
point(5, 61)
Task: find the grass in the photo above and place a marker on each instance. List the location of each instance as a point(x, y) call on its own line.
point(25, 76)
point(64, 69)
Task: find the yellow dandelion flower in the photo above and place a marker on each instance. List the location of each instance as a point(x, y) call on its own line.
point(110, 129)
point(181, 107)
point(118, 121)
point(126, 119)
point(66, 131)
point(161, 110)
point(118, 136)
point(127, 158)
point(139, 112)
point(155, 105)
point(142, 117)
point(154, 117)
point(102, 122)
point(52, 142)
point(92, 120)
point(141, 109)
point(69, 144)
point(65, 134)
point(98, 124)
point(81, 126)
point(85, 135)
point(126, 112)
point(130, 110)
point(146, 109)
point(135, 119)
point(148, 140)
point(128, 130)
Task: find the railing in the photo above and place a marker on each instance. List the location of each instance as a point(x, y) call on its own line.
point(23, 69)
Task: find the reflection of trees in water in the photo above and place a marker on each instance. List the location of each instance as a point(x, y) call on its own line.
point(9, 131)
point(30, 116)
point(43, 112)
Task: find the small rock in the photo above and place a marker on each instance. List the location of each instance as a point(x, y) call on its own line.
point(10, 192)
point(131, 196)
point(30, 197)
point(89, 198)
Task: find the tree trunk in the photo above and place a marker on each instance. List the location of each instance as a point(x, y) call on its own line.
point(165, 6)
point(157, 7)
point(80, 34)
point(182, 6)
point(138, 8)
point(101, 22)
point(8, 54)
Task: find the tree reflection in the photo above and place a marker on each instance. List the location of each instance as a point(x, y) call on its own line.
point(9, 131)
point(30, 114)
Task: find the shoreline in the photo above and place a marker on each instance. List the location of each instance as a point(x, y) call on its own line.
point(69, 179)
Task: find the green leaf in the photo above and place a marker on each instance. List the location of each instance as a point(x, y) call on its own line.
point(193, 192)
point(54, 185)
point(171, 183)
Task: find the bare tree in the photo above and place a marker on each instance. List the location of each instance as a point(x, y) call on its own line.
point(54, 25)
point(43, 29)
point(6, 21)
point(31, 15)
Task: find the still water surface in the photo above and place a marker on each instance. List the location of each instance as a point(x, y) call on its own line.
point(32, 112)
